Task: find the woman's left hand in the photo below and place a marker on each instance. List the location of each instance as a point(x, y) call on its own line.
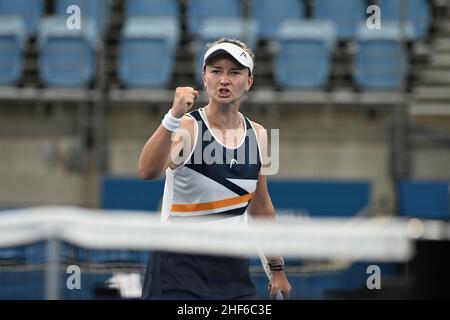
point(279, 283)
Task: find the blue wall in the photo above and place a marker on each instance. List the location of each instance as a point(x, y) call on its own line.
point(320, 198)
point(317, 198)
point(131, 194)
point(424, 199)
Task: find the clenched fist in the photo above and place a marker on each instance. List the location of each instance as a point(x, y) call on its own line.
point(183, 101)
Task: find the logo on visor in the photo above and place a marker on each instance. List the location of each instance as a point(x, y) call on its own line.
point(243, 55)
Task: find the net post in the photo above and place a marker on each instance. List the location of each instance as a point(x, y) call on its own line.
point(52, 276)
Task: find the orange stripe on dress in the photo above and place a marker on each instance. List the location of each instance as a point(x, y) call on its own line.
point(212, 205)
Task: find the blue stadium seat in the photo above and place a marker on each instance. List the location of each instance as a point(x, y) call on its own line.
point(154, 8)
point(66, 57)
point(346, 15)
point(380, 62)
point(417, 12)
point(12, 42)
point(147, 51)
point(215, 28)
point(199, 10)
point(98, 11)
point(269, 14)
point(303, 58)
point(424, 199)
point(30, 10)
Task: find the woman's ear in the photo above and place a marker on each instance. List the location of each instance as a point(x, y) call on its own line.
point(204, 81)
point(249, 83)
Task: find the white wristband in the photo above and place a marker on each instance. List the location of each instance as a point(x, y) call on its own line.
point(170, 122)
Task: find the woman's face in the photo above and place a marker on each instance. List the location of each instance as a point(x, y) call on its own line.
point(225, 80)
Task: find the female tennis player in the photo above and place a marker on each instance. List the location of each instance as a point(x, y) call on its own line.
point(214, 170)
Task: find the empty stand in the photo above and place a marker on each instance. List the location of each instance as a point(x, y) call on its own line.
point(66, 57)
point(154, 8)
point(345, 14)
point(147, 51)
point(98, 11)
point(269, 14)
point(416, 12)
point(381, 61)
point(199, 10)
point(12, 43)
point(303, 58)
point(30, 10)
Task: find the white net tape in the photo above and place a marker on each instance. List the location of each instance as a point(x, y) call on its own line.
point(358, 239)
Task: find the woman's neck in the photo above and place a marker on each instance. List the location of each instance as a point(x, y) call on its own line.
point(223, 116)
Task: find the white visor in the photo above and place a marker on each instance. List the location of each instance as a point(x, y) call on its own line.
point(233, 50)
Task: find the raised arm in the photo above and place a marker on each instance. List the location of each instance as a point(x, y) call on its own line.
point(157, 153)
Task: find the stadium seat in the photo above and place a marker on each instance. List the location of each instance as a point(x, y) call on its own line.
point(303, 58)
point(424, 199)
point(199, 10)
point(12, 43)
point(346, 15)
point(30, 10)
point(154, 8)
point(269, 14)
point(417, 12)
point(215, 28)
point(98, 11)
point(147, 51)
point(380, 63)
point(66, 57)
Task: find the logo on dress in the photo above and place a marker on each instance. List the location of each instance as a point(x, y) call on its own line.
point(233, 161)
